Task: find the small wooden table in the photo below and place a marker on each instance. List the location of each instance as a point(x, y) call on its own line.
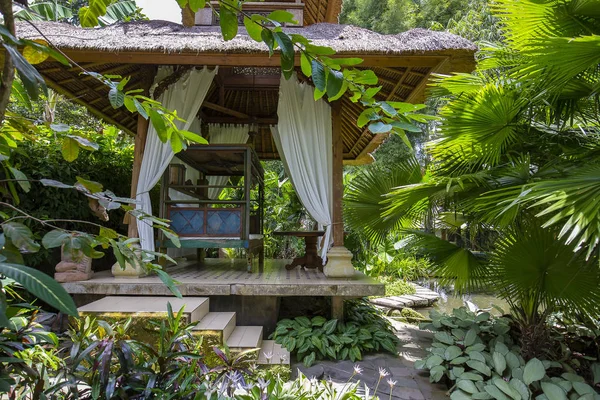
point(311, 258)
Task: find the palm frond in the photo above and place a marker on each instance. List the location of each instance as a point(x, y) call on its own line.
point(477, 129)
point(533, 269)
point(364, 196)
point(572, 203)
point(454, 265)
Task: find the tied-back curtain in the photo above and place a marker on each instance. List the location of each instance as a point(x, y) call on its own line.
point(186, 97)
point(303, 138)
point(224, 134)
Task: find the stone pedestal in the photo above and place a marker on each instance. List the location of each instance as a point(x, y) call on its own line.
point(74, 266)
point(339, 263)
point(130, 271)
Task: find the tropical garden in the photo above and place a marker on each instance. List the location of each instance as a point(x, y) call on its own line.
point(499, 191)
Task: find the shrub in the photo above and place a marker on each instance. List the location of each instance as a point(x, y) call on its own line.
point(318, 338)
point(476, 354)
point(396, 287)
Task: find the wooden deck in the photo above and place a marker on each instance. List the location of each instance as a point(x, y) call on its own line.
point(224, 277)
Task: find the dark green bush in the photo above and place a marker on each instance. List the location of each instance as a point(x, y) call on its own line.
point(110, 165)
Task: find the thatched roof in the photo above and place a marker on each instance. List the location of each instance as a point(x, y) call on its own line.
point(403, 64)
point(168, 37)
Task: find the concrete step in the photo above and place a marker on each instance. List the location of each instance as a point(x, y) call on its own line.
point(195, 308)
point(219, 324)
point(272, 353)
point(245, 337)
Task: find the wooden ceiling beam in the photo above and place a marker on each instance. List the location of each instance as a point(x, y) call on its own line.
point(255, 120)
point(244, 60)
point(61, 90)
point(224, 110)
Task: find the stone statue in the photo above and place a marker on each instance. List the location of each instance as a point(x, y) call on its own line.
point(74, 266)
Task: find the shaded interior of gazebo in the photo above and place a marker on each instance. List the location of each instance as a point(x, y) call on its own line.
point(244, 95)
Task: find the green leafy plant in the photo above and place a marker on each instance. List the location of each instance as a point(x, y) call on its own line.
point(476, 354)
point(318, 338)
point(396, 287)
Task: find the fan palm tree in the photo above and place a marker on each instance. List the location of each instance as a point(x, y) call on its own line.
point(518, 151)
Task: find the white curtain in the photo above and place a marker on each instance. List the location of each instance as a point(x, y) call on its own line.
point(303, 138)
point(224, 134)
point(185, 96)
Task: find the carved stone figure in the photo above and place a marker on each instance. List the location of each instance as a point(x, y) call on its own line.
point(74, 266)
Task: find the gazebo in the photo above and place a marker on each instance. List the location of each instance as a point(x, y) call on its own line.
point(219, 86)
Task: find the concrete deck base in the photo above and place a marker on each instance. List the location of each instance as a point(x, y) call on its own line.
point(226, 277)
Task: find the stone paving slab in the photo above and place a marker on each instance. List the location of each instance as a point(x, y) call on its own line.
point(422, 298)
point(410, 383)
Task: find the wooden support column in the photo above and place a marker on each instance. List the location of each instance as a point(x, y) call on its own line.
point(138, 155)
point(337, 174)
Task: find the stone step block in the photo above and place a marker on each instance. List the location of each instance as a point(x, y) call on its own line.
point(218, 324)
point(195, 308)
point(245, 337)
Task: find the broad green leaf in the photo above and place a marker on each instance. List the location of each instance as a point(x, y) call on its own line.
point(534, 371)
point(269, 40)
point(92, 186)
point(330, 326)
point(460, 395)
point(85, 143)
point(116, 97)
point(196, 5)
point(470, 337)
point(553, 392)
point(499, 362)
point(56, 184)
point(335, 82)
point(55, 238)
point(254, 29)
point(20, 236)
point(305, 65)
point(30, 77)
point(228, 22)
point(496, 393)
point(520, 387)
point(380, 127)
point(88, 16)
point(169, 282)
point(41, 285)
point(282, 17)
point(310, 359)
point(319, 50)
point(452, 352)
point(34, 55)
point(467, 385)
point(433, 360)
point(70, 149)
point(480, 367)
point(347, 61)
point(366, 116)
point(21, 179)
point(287, 53)
point(471, 376)
point(159, 125)
point(444, 337)
point(436, 373)
point(319, 75)
point(172, 236)
point(506, 388)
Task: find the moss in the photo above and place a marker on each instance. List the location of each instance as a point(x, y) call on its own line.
point(409, 316)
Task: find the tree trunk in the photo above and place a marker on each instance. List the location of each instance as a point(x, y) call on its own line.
point(8, 71)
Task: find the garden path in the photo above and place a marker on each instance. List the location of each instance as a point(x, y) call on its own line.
point(423, 297)
point(410, 383)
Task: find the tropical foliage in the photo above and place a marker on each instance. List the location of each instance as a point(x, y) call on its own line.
point(363, 331)
point(512, 187)
point(476, 354)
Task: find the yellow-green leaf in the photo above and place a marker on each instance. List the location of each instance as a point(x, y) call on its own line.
point(70, 149)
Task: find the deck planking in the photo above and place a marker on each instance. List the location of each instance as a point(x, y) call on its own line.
point(226, 277)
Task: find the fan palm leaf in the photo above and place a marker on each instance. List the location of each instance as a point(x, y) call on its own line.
point(533, 270)
point(453, 265)
point(364, 196)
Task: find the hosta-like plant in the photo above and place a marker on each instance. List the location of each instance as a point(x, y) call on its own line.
point(477, 356)
point(318, 338)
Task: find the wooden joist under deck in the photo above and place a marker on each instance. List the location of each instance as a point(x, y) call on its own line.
point(225, 277)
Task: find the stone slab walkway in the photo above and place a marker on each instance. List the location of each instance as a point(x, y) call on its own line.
point(422, 298)
point(410, 383)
